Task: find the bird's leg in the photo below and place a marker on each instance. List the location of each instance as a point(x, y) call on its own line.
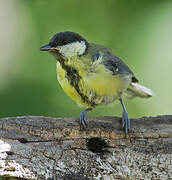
point(125, 118)
point(83, 117)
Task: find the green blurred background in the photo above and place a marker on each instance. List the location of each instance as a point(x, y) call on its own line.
point(140, 32)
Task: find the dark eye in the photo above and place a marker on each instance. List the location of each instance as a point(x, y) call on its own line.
point(96, 57)
point(115, 66)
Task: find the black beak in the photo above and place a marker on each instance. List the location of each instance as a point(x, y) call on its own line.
point(45, 48)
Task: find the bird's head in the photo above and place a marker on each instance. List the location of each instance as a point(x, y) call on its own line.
point(66, 44)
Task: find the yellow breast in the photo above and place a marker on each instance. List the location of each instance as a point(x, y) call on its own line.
point(67, 87)
point(98, 85)
point(104, 83)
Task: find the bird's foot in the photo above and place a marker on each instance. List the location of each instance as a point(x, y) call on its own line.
point(125, 122)
point(83, 118)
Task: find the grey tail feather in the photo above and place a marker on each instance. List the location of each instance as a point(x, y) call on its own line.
point(137, 90)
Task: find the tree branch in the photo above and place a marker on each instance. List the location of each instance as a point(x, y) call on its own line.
point(44, 147)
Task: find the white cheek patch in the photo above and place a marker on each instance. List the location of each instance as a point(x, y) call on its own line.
point(75, 48)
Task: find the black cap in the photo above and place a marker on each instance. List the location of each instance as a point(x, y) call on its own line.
point(66, 37)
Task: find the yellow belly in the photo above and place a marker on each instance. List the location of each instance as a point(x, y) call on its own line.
point(100, 87)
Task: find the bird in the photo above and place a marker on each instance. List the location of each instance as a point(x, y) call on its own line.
point(91, 75)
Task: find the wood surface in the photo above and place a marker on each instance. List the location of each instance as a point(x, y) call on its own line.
point(57, 148)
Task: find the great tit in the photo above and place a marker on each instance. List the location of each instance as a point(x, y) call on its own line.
point(92, 75)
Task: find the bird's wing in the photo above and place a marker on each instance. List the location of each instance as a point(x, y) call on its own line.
point(117, 66)
point(112, 62)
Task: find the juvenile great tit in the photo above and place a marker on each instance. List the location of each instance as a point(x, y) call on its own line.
point(91, 75)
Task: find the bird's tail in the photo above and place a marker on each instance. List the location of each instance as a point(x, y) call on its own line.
point(137, 90)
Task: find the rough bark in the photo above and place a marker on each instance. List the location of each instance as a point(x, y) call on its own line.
point(56, 148)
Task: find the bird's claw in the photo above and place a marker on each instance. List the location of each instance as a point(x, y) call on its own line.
point(83, 118)
point(125, 122)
